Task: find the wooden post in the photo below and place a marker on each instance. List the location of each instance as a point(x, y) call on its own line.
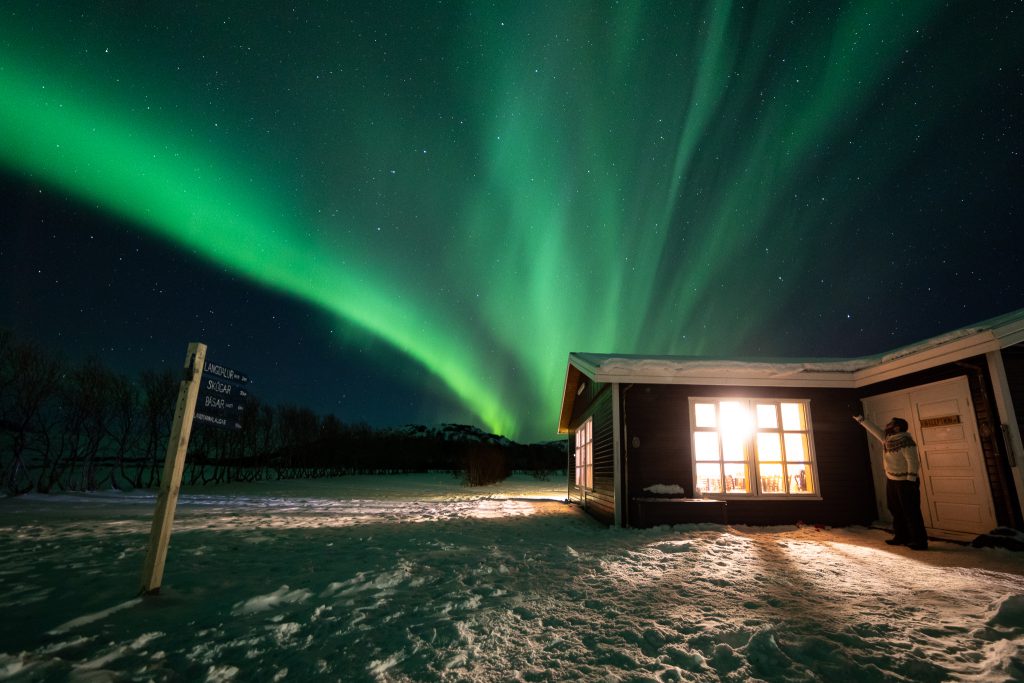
point(1009, 422)
point(174, 464)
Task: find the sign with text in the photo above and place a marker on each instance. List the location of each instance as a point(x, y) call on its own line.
point(218, 404)
point(217, 421)
point(216, 370)
point(223, 388)
point(222, 395)
point(944, 421)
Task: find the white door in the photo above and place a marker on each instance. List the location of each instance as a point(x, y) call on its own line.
point(959, 494)
point(955, 494)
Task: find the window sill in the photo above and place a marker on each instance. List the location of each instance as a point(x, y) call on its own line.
point(740, 496)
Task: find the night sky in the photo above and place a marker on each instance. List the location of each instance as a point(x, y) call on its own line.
point(412, 212)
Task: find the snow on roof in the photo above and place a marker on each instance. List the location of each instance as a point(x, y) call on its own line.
point(980, 338)
point(688, 366)
point(613, 366)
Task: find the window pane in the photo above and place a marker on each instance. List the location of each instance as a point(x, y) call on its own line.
point(706, 445)
point(769, 447)
point(590, 430)
point(793, 416)
point(732, 447)
point(796, 448)
point(767, 416)
point(772, 480)
point(735, 419)
point(800, 479)
point(704, 415)
point(590, 466)
point(735, 478)
point(709, 477)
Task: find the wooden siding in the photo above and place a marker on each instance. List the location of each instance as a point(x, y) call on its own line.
point(583, 405)
point(599, 501)
point(582, 408)
point(997, 465)
point(1013, 362)
point(656, 450)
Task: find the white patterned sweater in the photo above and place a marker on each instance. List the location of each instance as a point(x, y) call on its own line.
point(899, 453)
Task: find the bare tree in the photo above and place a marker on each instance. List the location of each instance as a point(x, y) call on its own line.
point(86, 407)
point(28, 384)
point(159, 392)
point(123, 427)
point(298, 428)
point(261, 435)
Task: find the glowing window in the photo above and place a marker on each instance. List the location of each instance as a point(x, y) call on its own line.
point(705, 415)
point(753, 447)
point(585, 455)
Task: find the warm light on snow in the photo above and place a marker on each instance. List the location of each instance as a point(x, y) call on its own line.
point(414, 577)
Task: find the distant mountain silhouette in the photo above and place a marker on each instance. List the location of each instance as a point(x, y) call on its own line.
point(456, 432)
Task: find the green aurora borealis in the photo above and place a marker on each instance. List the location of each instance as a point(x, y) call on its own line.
point(488, 187)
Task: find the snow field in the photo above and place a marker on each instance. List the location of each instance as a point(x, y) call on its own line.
point(412, 578)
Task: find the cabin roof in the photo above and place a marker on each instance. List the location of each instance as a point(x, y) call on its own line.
point(983, 337)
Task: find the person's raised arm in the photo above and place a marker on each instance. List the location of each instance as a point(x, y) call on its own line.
point(872, 429)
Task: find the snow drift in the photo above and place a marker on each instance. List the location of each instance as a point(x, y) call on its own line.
point(413, 577)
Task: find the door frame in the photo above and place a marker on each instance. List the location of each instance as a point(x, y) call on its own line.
point(985, 487)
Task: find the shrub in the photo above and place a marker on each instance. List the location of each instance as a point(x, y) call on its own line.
point(486, 466)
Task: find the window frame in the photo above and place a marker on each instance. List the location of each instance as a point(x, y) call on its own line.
point(586, 464)
point(750, 459)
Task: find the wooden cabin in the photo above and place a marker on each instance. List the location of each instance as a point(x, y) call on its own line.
point(668, 440)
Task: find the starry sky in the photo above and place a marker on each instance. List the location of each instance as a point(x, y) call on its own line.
point(412, 212)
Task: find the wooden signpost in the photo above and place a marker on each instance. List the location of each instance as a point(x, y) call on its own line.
point(174, 464)
point(225, 394)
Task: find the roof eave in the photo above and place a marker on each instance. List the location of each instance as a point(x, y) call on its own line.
point(803, 379)
point(572, 374)
point(974, 345)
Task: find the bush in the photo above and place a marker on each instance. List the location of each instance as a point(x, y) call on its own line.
point(486, 466)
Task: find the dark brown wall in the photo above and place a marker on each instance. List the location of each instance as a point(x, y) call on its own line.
point(599, 502)
point(1013, 358)
point(657, 451)
point(582, 406)
point(1013, 361)
point(581, 409)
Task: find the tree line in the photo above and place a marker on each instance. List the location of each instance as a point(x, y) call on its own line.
point(82, 426)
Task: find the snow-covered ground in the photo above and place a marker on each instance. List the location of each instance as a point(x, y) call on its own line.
point(414, 577)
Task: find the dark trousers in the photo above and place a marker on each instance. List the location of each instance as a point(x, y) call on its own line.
point(904, 501)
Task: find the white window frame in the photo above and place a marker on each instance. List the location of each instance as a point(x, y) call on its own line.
point(585, 455)
point(750, 459)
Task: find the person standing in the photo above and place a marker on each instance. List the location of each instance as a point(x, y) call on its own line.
point(902, 483)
